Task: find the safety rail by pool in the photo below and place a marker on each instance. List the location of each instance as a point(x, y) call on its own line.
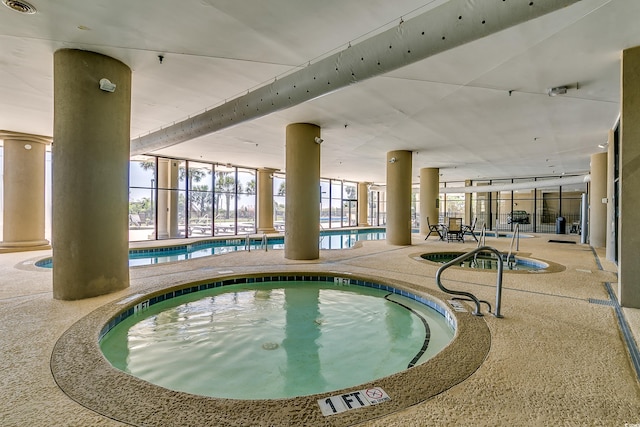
point(515, 238)
point(469, 295)
point(264, 242)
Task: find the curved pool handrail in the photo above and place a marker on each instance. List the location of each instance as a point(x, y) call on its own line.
point(469, 295)
point(483, 235)
point(516, 238)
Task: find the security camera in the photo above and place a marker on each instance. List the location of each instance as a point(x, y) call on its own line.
point(319, 140)
point(107, 86)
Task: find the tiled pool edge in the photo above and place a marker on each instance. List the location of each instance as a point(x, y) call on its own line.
point(85, 376)
point(552, 267)
point(142, 304)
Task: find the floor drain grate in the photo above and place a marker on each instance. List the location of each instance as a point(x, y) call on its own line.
point(602, 302)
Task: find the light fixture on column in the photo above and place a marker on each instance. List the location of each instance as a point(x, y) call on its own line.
point(318, 140)
point(107, 86)
point(27, 146)
point(393, 160)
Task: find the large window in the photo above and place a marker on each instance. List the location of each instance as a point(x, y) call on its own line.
point(279, 199)
point(171, 198)
point(534, 209)
point(201, 197)
point(452, 204)
point(246, 205)
point(142, 198)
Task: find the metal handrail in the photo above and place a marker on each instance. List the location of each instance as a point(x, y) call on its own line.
point(468, 294)
point(516, 232)
point(247, 242)
point(483, 235)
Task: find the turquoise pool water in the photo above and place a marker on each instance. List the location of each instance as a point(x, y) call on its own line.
point(330, 239)
point(277, 339)
point(486, 262)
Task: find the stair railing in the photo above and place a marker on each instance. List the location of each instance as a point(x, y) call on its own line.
point(515, 238)
point(469, 295)
point(482, 241)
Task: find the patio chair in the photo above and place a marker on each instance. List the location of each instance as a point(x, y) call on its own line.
point(454, 230)
point(470, 228)
point(434, 229)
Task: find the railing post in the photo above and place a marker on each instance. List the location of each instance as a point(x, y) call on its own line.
point(468, 294)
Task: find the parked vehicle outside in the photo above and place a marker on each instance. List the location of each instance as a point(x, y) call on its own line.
point(521, 217)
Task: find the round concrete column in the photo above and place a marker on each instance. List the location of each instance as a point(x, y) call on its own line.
point(265, 200)
point(23, 192)
point(399, 165)
point(429, 198)
point(174, 196)
point(163, 198)
point(90, 175)
point(611, 220)
point(363, 204)
point(597, 209)
point(302, 210)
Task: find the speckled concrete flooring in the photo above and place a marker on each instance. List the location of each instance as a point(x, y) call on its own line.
point(555, 359)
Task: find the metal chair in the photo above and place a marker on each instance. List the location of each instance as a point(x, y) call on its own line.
point(454, 230)
point(434, 228)
point(470, 228)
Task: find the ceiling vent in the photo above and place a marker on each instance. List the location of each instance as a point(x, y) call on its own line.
point(20, 6)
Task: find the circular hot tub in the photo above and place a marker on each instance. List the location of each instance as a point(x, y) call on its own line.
point(488, 261)
point(82, 372)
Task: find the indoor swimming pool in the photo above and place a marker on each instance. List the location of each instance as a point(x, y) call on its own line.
point(329, 239)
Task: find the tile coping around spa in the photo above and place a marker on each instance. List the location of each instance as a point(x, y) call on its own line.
point(143, 304)
point(82, 372)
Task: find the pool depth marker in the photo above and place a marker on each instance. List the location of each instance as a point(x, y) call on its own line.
point(352, 400)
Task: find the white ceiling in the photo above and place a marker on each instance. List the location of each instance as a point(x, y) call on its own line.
point(477, 111)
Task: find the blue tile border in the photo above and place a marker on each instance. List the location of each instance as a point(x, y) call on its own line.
point(336, 279)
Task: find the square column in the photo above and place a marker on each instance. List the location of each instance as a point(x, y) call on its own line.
point(628, 232)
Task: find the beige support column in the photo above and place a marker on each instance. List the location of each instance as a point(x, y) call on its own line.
point(363, 204)
point(598, 209)
point(163, 198)
point(174, 196)
point(429, 197)
point(611, 235)
point(265, 200)
point(23, 192)
point(302, 210)
point(629, 232)
point(467, 204)
point(90, 175)
point(399, 165)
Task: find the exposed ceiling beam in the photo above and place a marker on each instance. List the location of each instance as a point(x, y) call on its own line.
point(452, 24)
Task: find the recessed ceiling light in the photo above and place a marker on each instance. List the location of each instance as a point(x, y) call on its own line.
point(20, 6)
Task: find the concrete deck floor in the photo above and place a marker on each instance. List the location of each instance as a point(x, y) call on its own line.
point(555, 358)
